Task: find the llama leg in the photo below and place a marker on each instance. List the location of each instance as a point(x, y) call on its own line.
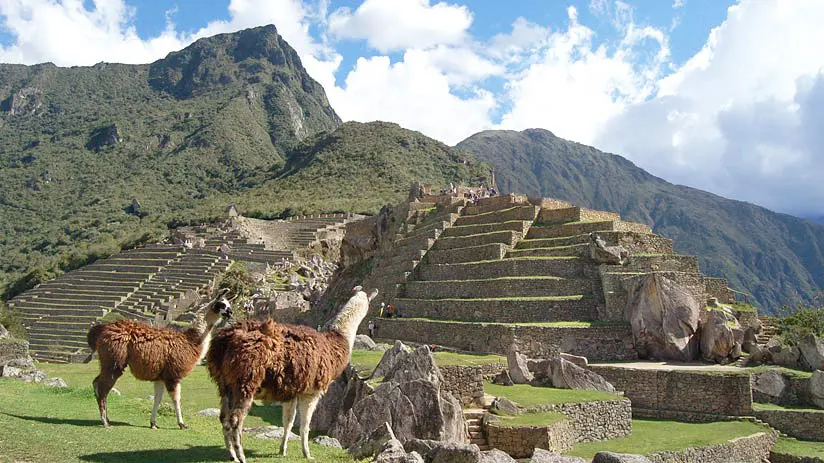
point(307, 408)
point(102, 384)
point(226, 424)
point(158, 396)
point(237, 416)
point(175, 392)
point(289, 409)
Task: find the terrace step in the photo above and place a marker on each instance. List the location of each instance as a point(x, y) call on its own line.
point(601, 342)
point(574, 250)
point(568, 267)
point(498, 288)
point(519, 226)
point(527, 213)
point(510, 310)
point(569, 229)
point(505, 237)
point(645, 263)
point(493, 251)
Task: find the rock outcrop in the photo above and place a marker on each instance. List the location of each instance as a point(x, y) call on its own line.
point(721, 336)
point(664, 317)
point(611, 457)
point(545, 456)
point(517, 366)
point(817, 388)
point(600, 253)
point(410, 399)
point(770, 386)
point(811, 348)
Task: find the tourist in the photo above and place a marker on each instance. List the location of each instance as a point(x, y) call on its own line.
point(372, 328)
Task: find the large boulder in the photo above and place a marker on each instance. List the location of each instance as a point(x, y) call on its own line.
point(611, 457)
point(600, 253)
point(785, 356)
point(410, 400)
point(812, 352)
point(517, 366)
point(4, 333)
point(567, 375)
point(454, 453)
point(545, 456)
point(579, 360)
point(770, 386)
point(817, 388)
point(664, 317)
point(504, 406)
point(389, 358)
point(363, 342)
point(372, 443)
point(496, 456)
point(503, 379)
point(721, 336)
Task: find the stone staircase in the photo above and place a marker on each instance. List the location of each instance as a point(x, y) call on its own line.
point(139, 283)
point(770, 326)
point(474, 427)
point(509, 270)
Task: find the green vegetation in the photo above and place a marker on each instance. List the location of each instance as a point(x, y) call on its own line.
point(10, 319)
point(38, 423)
point(570, 324)
point(800, 322)
point(530, 419)
point(233, 118)
point(759, 406)
point(721, 232)
point(790, 446)
point(743, 307)
point(366, 360)
point(531, 396)
point(650, 436)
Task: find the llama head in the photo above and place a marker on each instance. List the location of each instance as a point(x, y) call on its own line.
point(352, 314)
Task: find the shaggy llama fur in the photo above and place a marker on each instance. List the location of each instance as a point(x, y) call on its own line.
point(162, 355)
point(284, 363)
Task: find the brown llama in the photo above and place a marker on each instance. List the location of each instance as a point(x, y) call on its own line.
point(162, 355)
point(277, 362)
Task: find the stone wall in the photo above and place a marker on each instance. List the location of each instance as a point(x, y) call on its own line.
point(606, 343)
point(752, 449)
point(717, 287)
point(596, 421)
point(615, 283)
point(13, 349)
point(785, 458)
point(638, 243)
point(466, 383)
point(690, 396)
point(591, 215)
point(795, 423)
point(520, 442)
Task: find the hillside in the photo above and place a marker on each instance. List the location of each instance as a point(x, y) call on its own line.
point(231, 118)
point(777, 258)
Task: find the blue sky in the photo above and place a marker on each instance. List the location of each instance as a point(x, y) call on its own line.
point(722, 95)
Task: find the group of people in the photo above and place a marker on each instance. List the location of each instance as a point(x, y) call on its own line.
point(482, 192)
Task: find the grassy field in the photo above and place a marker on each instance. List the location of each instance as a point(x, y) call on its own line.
point(39, 424)
point(529, 396)
point(800, 448)
point(759, 406)
point(650, 436)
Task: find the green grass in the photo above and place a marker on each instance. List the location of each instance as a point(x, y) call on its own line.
point(571, 324)
point(531, 419)
point(788, 445)
point(367, 360)
point(650, 436)
point(767, 407)
point(530, 396)
point(38, 423)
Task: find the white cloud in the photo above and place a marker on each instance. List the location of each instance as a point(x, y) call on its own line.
point(525, 39)
point(678, 4)
point(391, 25)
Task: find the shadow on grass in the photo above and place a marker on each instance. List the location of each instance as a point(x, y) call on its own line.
point(187, 455)
point(72, 422)
point(271, 414)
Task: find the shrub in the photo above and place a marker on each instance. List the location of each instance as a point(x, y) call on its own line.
point(10, 318)
point(800, 322)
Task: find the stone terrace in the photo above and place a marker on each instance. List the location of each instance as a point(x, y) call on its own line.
point(140, 283)
point(515, 270)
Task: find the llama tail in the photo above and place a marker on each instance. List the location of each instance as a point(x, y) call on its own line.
point(93, 335)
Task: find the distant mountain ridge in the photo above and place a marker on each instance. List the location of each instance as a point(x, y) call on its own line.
point(777, 258)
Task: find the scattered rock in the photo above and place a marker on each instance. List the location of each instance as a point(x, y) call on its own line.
point(664, 318)
point(422, 446)
point(502, 379)
point(393, 452)
point(10, 372)
point(786, 356)
point(545, 456)
point(770, 386)
point(4, 333)
point(55, 382)
point(327, 441)
point(363, 342)
point(517, 367)
point(270, 432)
point(209, 412)
point(576, 359)
point(817, 388)
point(610, 457)
point(33, 376)
point(505, 405)
point(721, 336)
point(812, 352)
point(496, 456)
point(115, 391)
point(567, 375)
point(455, 453)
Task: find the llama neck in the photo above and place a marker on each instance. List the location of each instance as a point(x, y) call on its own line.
point(347, 326)
point(201, 327)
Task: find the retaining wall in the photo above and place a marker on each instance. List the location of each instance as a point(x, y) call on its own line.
point(596, 421)
point(754, 449)
point(520, 442)
point(795, 423)
point(13, 349)
point(466, 383)
point(683, 395)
